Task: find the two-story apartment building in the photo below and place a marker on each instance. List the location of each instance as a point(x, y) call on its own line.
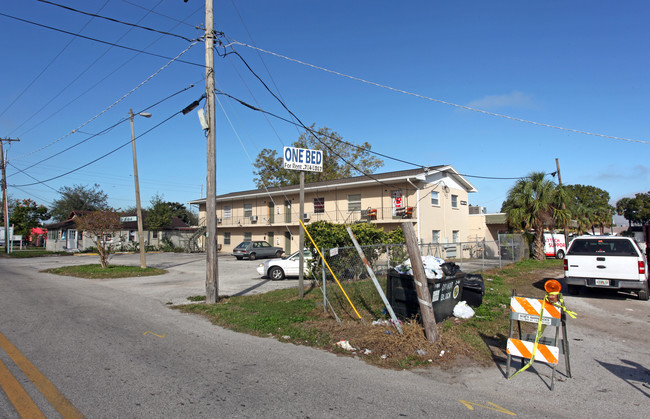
point(435, 199)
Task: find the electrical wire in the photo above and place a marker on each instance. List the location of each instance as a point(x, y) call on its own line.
point(100, 157)
point(114, 103)
point(439, 100)
point(99, 40)
point(163, 15)
point(105, 130)
point(48, 65)
point(219, 92)
point(133, 25)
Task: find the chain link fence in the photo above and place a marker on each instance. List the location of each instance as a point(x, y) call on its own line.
point(473, 256)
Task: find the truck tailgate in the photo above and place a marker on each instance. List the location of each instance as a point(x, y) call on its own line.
point(608, 267)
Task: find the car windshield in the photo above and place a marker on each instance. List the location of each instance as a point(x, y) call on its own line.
point(296, 255)
point(600, 246)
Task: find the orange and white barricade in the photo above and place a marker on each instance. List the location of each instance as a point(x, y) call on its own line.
point(543, 313)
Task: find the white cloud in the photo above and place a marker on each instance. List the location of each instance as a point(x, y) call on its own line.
point(515, 99)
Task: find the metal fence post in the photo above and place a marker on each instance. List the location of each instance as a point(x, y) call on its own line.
point(322, 251)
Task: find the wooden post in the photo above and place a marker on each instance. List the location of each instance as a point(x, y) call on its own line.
point(421, 286)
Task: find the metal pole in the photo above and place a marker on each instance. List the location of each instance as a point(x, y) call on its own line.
point(301, 238)
point(322, 251)
point(211, 268)
point(5, 198)
point(143, 261)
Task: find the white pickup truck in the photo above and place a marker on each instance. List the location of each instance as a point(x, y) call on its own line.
point(606, 262)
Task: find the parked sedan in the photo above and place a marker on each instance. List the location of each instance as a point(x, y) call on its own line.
point(256, 249)
point(278, 269)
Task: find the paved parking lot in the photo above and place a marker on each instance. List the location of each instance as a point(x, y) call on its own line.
point(185, 277)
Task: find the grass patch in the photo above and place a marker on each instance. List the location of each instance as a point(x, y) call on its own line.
point(283, 315)
point(95, 271)
point(32, 253)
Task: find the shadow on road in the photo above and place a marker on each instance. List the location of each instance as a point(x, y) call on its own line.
point(636, 375)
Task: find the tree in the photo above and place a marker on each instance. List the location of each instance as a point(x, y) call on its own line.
point(635, 210)
point(11, 203)
point(340, 160)
point(100, 227)
point(589, 206)
point(78, 198)
point(159, 215)
point(26, 215)
point(532, 203)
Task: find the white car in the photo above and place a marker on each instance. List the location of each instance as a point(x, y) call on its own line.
point(278, 269)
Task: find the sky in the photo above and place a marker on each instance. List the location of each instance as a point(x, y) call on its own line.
point(495, 89)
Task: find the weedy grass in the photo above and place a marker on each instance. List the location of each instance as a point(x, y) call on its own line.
point(31, 253)
point(95, 271)
point(285, 316)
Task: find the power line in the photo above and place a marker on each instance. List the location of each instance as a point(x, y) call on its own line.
point(105, 130)
point(99, 40)
point(100, 157)
point(47, 66)
point(439, 100)
point(163, 15)
point(117, 21)
point(114, 103)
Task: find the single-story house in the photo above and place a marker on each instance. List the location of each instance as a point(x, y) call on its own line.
point(64, 236)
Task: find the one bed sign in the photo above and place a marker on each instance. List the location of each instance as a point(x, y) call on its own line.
point(303, 159)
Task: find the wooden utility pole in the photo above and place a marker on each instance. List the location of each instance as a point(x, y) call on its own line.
point(211, 267)
point(5, 200)
point(421, 286)
point(559, 181)
point(138, 207)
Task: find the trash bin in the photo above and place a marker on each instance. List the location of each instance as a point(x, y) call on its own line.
point(445, 294)
point(473, 289)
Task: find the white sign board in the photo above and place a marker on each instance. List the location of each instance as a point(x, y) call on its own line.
point(303, 159)
point(127, 219)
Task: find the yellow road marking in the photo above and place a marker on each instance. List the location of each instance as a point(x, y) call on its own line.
point(495, 407)
point(160, 336)
point(17, 395)
point(45, 386)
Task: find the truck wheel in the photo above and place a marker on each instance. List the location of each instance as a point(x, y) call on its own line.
point(560, 254)
point(574, 289)
point(276, 273)
point(643, 294)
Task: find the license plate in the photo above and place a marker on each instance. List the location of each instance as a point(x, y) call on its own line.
point(602, 282)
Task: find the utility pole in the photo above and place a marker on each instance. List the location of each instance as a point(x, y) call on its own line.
point(559, 181)
point(5, 200)
point(301, 238)
point(143, 260)
point(211, 267)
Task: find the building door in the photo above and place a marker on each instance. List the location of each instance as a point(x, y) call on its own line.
point(287, 211)
point(271, 212)
point(271, 237)
point(71, 242)
point(287, 242)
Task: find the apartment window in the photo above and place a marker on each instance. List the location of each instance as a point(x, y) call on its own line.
point(319, 205)
point(154, 234)
point(131, 235)
point(227, 211)
point(226, 238)
point(435, 199)
point(454, 236)
point(248, 237)
point(354, 202)
point(454, 201)
point(248, 210)
point(435, 236)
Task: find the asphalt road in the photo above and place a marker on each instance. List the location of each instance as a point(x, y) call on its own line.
point(114, 348)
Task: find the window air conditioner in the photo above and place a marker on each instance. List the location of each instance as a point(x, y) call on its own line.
point(218, 220)
point(253, 218)
point(305, 216)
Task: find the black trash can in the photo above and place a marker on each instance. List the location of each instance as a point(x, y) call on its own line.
point(473, 289)
point(445, 294)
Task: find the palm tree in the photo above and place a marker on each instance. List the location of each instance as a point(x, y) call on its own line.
point(531, 201)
